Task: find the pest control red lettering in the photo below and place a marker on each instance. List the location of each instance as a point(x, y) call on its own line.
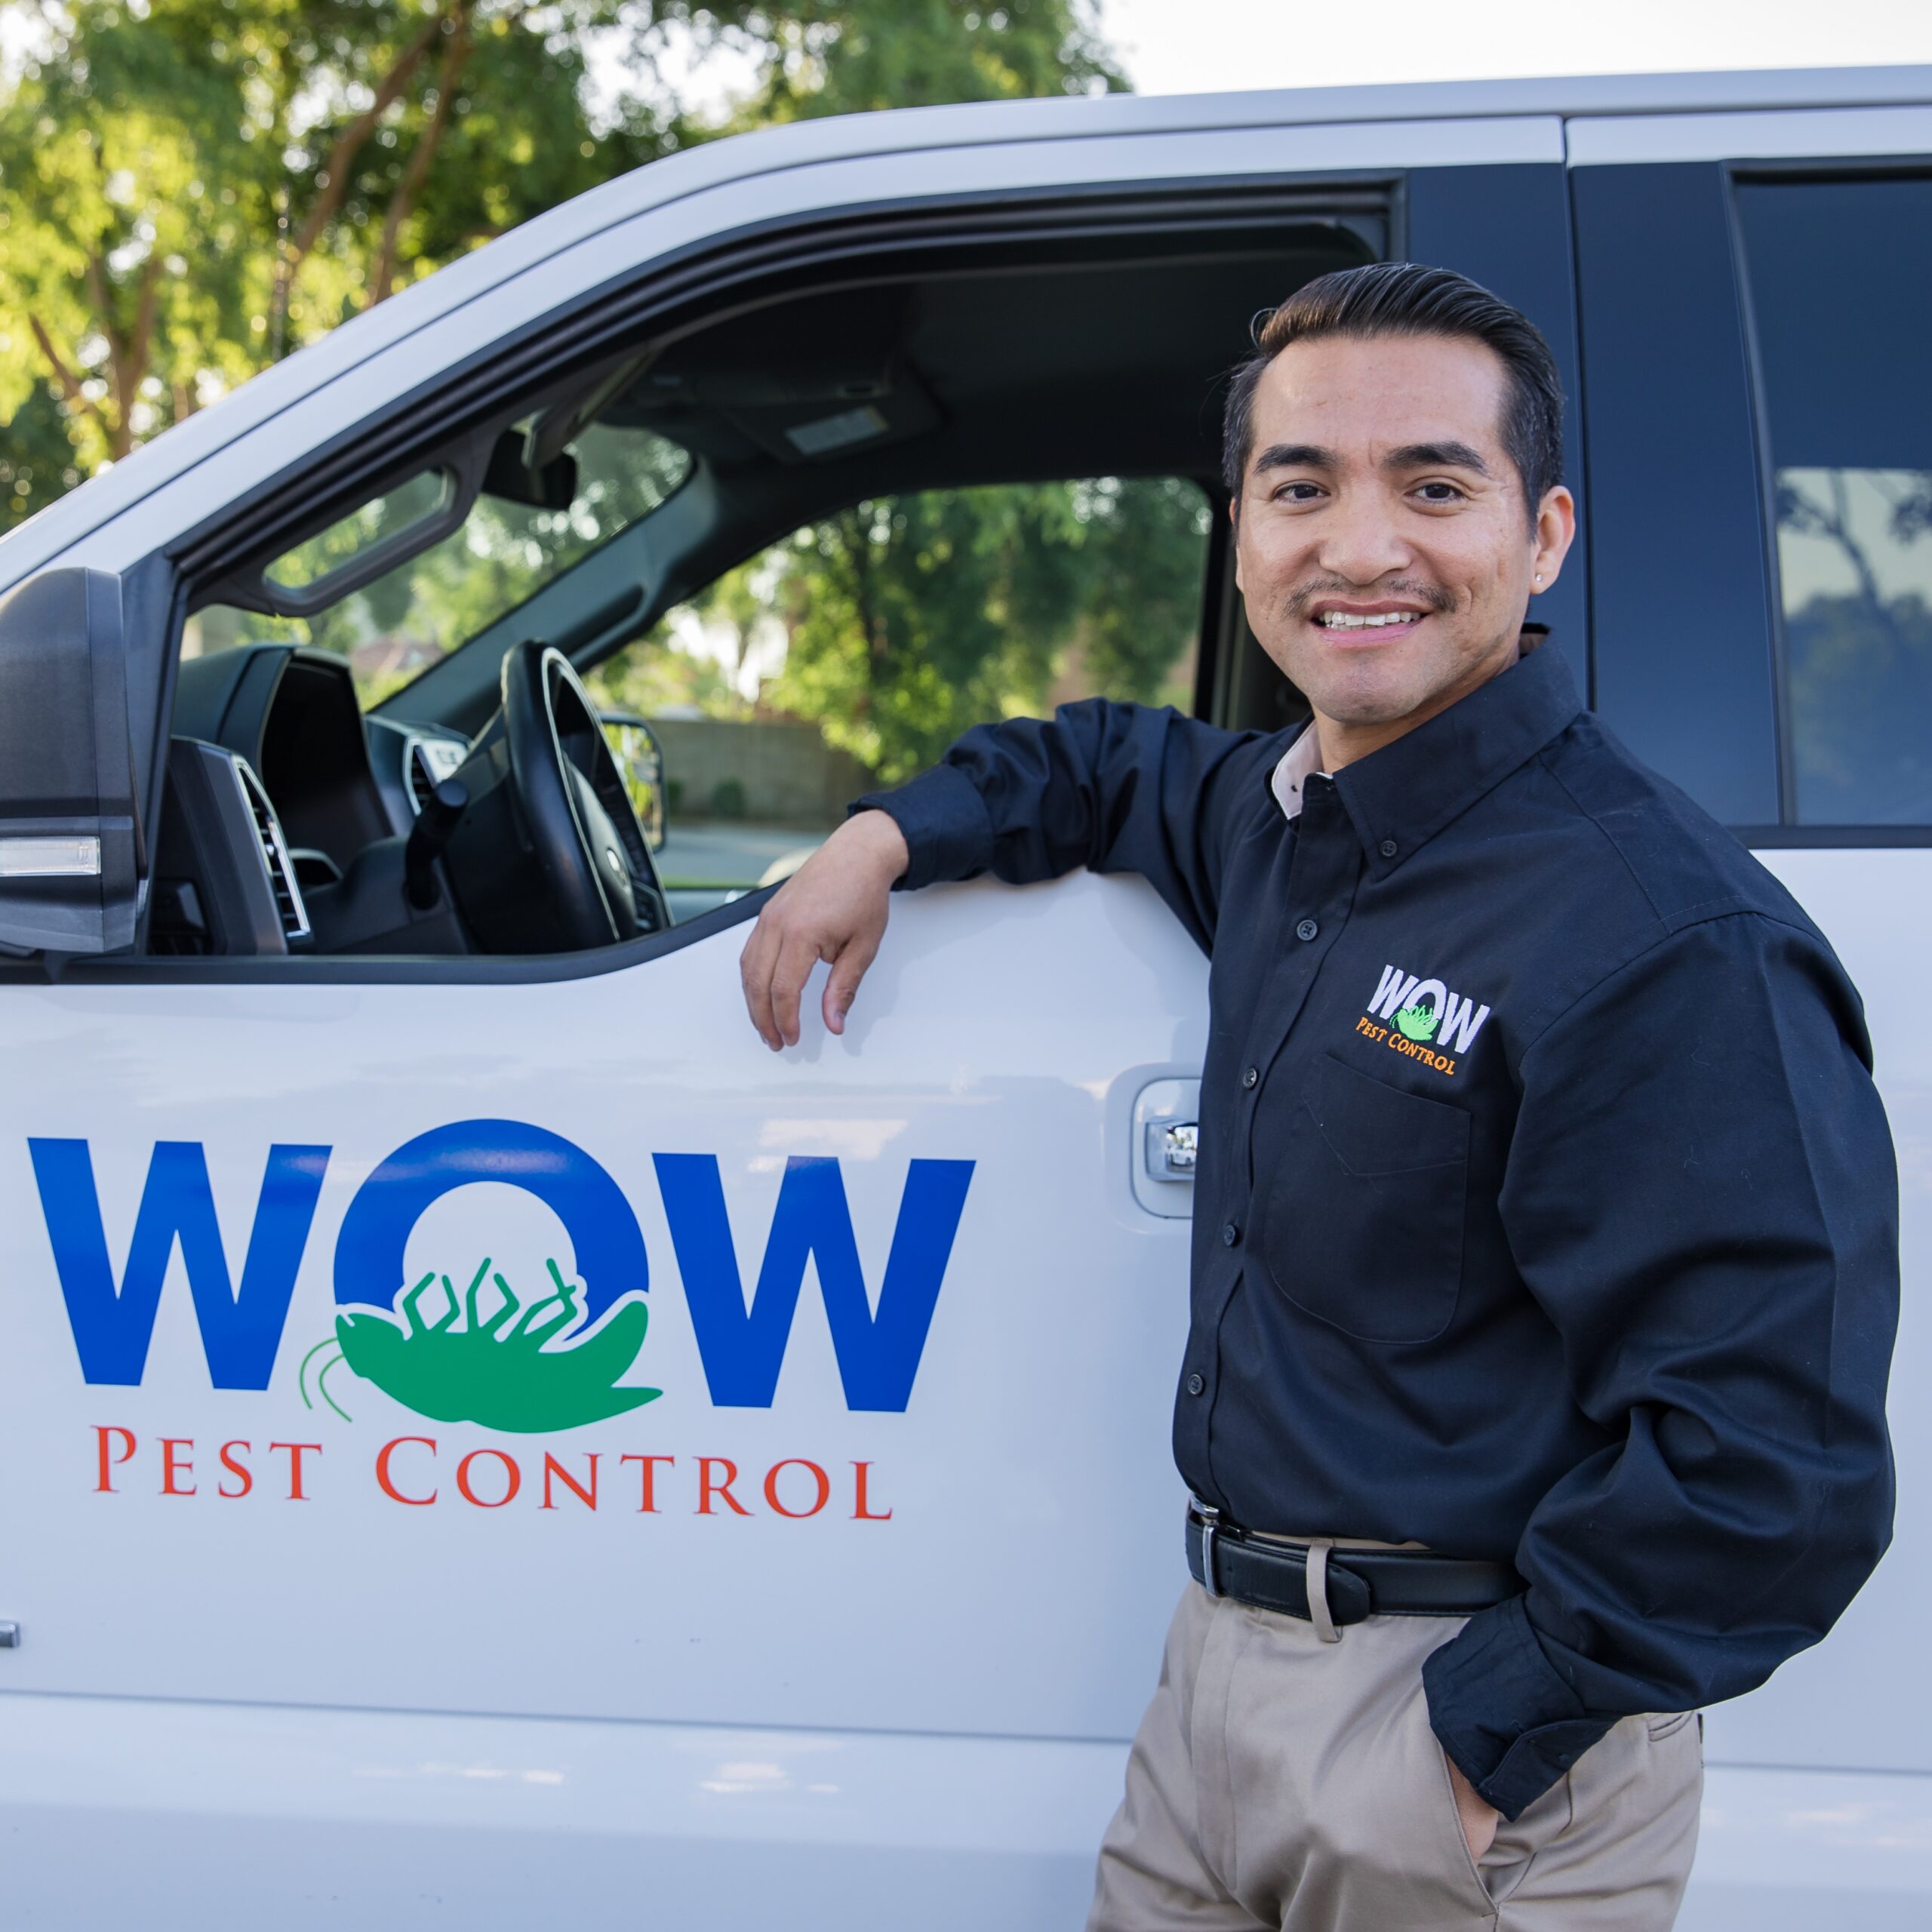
point(110, 1464)
point(861, 1496)
point(171, 1466)
point(296, 1492)
point(234, 1469)
point(386, 1483)
point(648, 1470)
point(708, 1487)
point(821, 1482)
point(513, 1478)
point(551, 1467)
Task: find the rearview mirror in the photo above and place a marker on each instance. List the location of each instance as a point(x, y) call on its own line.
point(513, 476)
point(71, 859)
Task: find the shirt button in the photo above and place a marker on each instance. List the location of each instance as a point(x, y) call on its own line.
point(1195, 1385)
point(1252, 1078)
point(1306, 930)
point(1230, 1234)
point(1387, 848)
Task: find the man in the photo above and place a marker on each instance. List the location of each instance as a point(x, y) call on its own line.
point(1545, 1257)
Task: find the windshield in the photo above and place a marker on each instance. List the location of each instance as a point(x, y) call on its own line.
point(395, 626)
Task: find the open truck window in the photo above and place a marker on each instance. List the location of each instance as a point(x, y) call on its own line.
point(853, 653)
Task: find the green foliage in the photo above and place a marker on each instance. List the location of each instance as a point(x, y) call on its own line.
point(908, 619)
point(191, 188)
point(846, 56)
point(37, 460)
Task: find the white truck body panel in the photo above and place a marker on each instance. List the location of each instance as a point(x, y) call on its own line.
point(351, 1710)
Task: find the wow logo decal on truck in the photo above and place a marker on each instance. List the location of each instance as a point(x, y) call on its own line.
point(470, 1345)
point(548, 1363)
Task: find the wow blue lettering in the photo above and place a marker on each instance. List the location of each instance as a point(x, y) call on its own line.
point(240, 1328)
point(742, 1348)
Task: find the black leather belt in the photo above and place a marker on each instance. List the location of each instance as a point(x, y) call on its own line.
point(1225, 1561)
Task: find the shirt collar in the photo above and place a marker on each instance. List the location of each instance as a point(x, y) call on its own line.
point(1293, 769)
point(1399, 798)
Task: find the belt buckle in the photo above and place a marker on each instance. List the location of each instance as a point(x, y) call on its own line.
point(1211, 1521)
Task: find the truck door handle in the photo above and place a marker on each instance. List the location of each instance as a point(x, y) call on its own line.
point(1172, 1147)
point(1165, 1145)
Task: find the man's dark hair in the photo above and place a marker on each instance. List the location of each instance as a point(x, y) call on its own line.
point(1404, 298)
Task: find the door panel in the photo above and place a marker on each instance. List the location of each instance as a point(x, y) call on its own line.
point(1010, 1030)
point(1849, 1703)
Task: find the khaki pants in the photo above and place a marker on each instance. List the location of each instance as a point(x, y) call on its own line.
point(1277, 1780)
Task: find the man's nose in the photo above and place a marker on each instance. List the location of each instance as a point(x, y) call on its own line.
point(1360, 542)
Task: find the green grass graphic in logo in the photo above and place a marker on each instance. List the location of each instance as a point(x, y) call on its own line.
point(517, 1368)
point(1418, 1023)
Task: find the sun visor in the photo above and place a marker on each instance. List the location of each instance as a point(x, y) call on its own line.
point(805, 381)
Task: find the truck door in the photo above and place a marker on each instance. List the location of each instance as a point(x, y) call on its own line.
point(454, 1345)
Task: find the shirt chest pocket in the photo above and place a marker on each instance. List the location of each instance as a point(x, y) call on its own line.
point(1361, 1217)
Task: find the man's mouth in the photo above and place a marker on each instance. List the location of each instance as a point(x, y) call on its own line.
point(1380, 622)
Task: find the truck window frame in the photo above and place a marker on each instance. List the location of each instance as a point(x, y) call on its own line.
point(1788, 833)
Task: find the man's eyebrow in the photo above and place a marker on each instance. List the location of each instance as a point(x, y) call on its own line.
point(1297, 456)
point(1435, 456)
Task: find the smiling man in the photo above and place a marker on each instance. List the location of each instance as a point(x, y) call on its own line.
point(1544, 1266)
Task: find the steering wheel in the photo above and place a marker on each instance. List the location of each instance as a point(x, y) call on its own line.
point(596, 864)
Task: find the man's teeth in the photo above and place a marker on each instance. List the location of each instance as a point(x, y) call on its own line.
point(1347, 620)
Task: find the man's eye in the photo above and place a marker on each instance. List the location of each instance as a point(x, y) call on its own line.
point(1440, 493)
point(1298, 492)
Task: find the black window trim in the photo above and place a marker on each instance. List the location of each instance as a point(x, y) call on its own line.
point(1790, 834)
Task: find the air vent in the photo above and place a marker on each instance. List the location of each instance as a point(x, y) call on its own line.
point(420, 783)
point(427, 762)
point(289, 909)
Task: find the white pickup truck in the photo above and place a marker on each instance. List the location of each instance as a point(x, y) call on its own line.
point(676, 1561)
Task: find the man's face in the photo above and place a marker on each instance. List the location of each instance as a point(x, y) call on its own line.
point(1381, 542)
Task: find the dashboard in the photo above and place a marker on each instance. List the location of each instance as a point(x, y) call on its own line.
point(292, 823)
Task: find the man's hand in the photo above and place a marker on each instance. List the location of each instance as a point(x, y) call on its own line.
point(1479, 1818)
point(834, 907)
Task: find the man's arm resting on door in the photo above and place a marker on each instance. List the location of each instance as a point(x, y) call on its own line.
point(1116, 787)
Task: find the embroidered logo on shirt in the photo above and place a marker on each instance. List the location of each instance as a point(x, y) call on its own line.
point(1432, 1024)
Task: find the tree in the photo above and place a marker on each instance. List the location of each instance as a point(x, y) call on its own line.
point(190, 191)
point(909, 619)
point(846, 56)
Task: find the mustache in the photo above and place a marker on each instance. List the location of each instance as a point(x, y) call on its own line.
point(1299, 600)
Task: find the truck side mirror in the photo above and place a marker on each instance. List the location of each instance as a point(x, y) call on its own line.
point(640, 756)
point(71, 858)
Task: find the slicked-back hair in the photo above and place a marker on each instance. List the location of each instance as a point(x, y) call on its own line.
point(1407, 299)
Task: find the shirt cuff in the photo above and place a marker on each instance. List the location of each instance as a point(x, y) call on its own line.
point(948, 831)
point(1509, 1723)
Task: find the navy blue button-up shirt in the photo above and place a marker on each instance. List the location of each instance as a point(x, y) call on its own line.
point(1545, 1210)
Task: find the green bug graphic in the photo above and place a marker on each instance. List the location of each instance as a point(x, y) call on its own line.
point(1418, 1023)
point(516, 1369)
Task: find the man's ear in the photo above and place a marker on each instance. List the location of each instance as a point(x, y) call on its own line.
point(1556, 530)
